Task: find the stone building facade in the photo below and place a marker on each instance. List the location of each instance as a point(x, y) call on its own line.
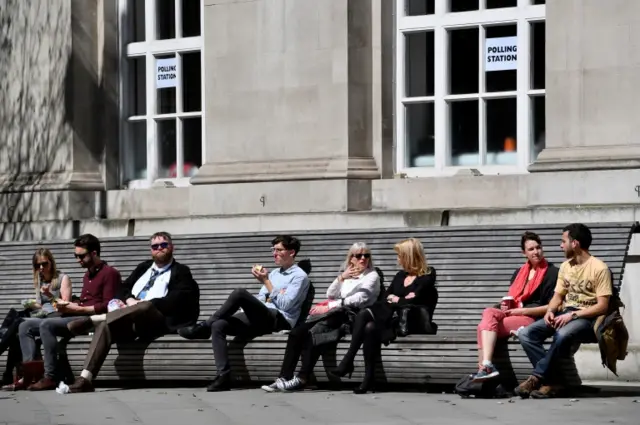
point(302, 114)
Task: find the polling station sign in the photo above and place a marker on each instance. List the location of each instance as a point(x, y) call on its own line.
point(501, 54)
point(166, 73)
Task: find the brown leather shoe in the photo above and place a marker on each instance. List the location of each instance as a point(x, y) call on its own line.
point(18, 385)
point(81, 326)
point(81, 385)
point(45, 384)
point(531, 384)
point(547, 391)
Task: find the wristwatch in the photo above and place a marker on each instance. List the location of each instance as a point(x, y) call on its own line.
point(574, 316)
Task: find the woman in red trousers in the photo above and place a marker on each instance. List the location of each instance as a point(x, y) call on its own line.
point(531, 290)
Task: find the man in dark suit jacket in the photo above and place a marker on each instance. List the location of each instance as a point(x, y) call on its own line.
point(159, 297)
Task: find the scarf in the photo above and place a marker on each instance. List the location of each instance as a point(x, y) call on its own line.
point(517, 289)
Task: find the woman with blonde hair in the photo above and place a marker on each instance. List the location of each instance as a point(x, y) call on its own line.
point(357, 286)
point(414, 285)
point(49, 285)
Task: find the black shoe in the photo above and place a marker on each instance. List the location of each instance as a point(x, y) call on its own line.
point(342, 371)
point(220, 383)
point(198, 331)
point(363, 389)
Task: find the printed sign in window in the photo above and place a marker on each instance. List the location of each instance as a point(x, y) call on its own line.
point(166, 73)
point(501, 54)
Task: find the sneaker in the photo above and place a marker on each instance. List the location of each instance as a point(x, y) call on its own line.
point(271, 388)
point(485, 373)
point(531, 384)
point(294, 384)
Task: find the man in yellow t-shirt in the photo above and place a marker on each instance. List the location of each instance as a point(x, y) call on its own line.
point(584, 287)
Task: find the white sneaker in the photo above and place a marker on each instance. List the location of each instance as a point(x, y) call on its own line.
point(271, 388)
point(294, 384)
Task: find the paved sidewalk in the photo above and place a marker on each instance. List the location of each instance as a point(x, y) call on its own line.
point(195, 407)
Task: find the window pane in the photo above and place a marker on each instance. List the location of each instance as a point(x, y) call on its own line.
point(165, 19)
point(192, 143)
point(166, 133)
point(537, 55)
point(135, 9)
point(135, 155)
point(463, 59)
point(166, 96)
point(420, 134)
point(138, 89)
point(190, 18)
point(539, 126)
point(495, 4)
point(192, 82)
point(463, 5)
point(501, 58)
point(419, 7)
point(464, 133)
point(502, 131)
point(419, 64)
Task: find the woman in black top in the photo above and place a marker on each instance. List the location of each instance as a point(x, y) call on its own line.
point(414, 285)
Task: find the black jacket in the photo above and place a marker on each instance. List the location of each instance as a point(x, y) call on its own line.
point(181, 305)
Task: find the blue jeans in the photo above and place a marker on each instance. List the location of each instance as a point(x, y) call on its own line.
point(532, 338)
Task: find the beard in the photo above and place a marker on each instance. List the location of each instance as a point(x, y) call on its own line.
point(162, 257)
point(569, 253)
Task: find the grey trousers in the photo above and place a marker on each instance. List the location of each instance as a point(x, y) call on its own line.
point(48, 330)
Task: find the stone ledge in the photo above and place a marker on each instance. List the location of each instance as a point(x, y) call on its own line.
point(303, 169)
point(587, 158)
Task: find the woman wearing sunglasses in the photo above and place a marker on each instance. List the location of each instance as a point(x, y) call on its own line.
point(357, 286)
point(414, 285)
point(49, 284)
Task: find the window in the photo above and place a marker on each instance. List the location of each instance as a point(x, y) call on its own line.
point(470, 85)
point(162, 91)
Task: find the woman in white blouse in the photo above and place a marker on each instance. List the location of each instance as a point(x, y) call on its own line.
point(357, 286)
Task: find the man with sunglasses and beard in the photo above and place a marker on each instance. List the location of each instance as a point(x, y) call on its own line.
point(100, 284)
point(276, 307)
point(159, 297)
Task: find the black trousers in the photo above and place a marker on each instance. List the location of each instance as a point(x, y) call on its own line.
point(255, 320)
point(9, 341)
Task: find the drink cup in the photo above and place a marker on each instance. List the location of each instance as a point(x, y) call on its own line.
point(508, 302)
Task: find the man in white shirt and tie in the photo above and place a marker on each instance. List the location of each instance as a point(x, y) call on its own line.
point(159, 297)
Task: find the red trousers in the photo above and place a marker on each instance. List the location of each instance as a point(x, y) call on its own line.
point(495, 320)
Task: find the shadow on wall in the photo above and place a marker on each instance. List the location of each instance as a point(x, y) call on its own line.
point(52, 114)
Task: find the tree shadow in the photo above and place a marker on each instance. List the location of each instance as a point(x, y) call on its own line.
point(58, 115)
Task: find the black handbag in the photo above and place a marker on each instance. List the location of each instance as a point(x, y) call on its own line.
point(414, 319)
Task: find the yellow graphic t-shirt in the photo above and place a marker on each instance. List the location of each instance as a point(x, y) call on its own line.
point(583, 283)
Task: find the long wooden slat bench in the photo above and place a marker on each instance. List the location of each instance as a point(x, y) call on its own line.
point(473, 265)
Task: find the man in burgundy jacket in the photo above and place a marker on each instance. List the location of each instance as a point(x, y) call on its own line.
point(100, 284)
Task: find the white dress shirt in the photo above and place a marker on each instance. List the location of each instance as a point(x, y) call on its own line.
point(160, 286)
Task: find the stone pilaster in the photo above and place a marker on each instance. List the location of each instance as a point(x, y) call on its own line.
point(592, 86)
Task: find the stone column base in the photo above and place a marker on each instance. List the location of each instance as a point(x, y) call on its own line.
point(587, 158)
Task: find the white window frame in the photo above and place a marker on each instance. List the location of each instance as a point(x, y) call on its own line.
point(440, 22)
point(149, 49)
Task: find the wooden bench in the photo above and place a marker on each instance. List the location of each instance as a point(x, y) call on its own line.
point(474, 265)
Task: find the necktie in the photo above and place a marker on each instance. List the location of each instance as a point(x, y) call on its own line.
point(154, 274)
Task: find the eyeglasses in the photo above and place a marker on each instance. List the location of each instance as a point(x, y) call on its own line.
point(158, 246)
point(79, 256)
point(278, 250)
point(43, 264)
point(359, 256)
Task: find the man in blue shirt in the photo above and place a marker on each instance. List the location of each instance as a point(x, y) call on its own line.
point(275, 308)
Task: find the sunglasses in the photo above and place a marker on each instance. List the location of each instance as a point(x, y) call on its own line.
point(359, 256)
point(158, 246)
point(43, 264)
point(79, 256)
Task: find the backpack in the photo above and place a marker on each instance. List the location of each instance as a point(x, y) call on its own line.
point(491, 388)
